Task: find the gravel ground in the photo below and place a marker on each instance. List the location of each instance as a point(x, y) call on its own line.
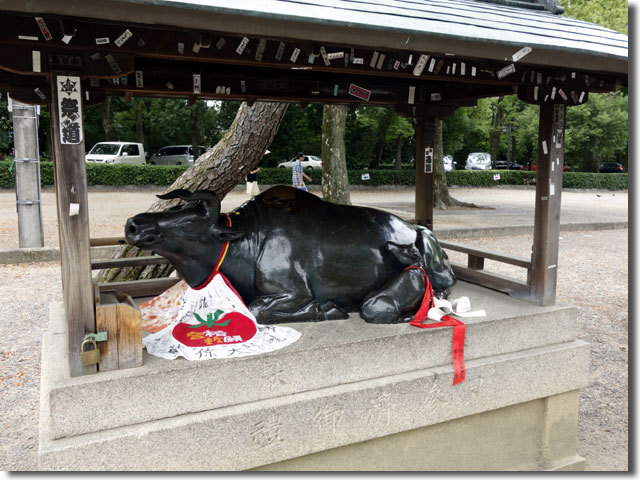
point(110, 208)
point(602, 321)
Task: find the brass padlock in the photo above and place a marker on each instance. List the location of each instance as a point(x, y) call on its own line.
point(89, 357)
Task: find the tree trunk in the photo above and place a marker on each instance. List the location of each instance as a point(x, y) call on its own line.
point(384, 123)
point(497, 121)
point(335, 182)
point(494, 138)
point(399, 142)
point(195, 129)
point(106, 119)
point(139, 123)
point(441, 197)
point(219, 169)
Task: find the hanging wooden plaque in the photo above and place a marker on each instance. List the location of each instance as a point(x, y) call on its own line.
point(69, 109)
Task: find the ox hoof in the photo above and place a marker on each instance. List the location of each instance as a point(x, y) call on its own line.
point(380, 309)
point(330, 311)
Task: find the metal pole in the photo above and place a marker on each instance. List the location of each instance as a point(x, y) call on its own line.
point(27, 165)
point(509, 145)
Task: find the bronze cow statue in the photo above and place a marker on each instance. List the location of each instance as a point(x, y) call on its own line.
point(294, 257)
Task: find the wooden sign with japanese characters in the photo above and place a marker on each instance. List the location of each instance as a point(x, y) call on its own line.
point(69, 109)
point(428, 160)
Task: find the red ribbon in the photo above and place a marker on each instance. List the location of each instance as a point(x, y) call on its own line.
point(223, 253)
point(457, 348)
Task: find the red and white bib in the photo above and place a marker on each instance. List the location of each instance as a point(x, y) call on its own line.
point(213, 322)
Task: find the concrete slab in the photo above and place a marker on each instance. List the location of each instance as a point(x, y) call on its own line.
point(343, 385)
point(328, 354)
point(505, 439)
point(253, 434)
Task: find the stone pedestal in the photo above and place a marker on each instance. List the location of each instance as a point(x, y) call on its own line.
point(346, 396)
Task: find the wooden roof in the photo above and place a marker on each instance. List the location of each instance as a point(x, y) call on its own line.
point(474, 28)
point(348, 51)
point(452, 19)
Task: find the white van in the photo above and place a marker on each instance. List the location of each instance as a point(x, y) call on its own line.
point(478, 161)
point(175, 155)
point(116, 152)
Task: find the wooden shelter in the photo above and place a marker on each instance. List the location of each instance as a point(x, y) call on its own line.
point(424, 58)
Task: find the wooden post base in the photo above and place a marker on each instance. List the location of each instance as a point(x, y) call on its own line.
point(123, 323)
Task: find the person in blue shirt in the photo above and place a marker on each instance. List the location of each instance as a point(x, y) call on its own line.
point(298, 176)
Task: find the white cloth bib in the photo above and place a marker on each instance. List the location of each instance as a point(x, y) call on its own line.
point(214, 322)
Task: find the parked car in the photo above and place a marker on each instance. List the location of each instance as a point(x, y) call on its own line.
point(505, 164)
point(449, 164)
point(534, 167)
point(310, 162)
point(478, 161)
point(116, 152)
point(611, 167)
point(175, 155)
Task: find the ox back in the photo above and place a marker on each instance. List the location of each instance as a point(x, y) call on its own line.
point(298, 246)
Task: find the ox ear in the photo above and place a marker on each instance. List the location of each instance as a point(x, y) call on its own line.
point(226, 234)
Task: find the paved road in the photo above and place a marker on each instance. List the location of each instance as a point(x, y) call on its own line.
point(110, 208)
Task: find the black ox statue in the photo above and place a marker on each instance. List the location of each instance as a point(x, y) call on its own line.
point(294, 257)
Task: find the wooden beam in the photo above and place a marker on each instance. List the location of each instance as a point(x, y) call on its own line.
point(140, 288)
point(498, 257)
point(546, 229)
point(475, 263)
point(426, 111)
point(493, 281)
point(174, 46)
point(107, 241)
point(128, 262)
point(425, 142)
point(36, 90)
point(547, 94)
point(73, 227)
point(19, 59)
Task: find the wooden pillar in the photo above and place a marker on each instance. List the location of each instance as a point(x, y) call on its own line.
point(73, 226)
point(425, 143)
point(546, 236)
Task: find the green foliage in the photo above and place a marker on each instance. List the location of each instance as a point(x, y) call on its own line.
point(484, 178)
point(166, 121)
point(612, 14)
point(121, 174)
point(6, 128)
point(360, 138)
point(400, 127)
point(300, 131)
point(226, 113)
point(605, 181)
point(597, 131)
point(369, 131)
point(7, 174)
point(454, 129)
point(124, 174)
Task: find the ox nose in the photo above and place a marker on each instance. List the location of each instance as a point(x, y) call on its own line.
point(138, 233)
point(131, 228)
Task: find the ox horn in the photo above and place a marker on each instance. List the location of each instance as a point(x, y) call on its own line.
point(210, 199)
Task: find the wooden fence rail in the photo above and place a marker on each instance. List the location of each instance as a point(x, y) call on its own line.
point(474, 271)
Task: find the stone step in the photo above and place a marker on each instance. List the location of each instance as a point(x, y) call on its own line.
point(328, 354)
point(257, 433)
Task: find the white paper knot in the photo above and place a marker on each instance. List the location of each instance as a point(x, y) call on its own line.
point(460, 307)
